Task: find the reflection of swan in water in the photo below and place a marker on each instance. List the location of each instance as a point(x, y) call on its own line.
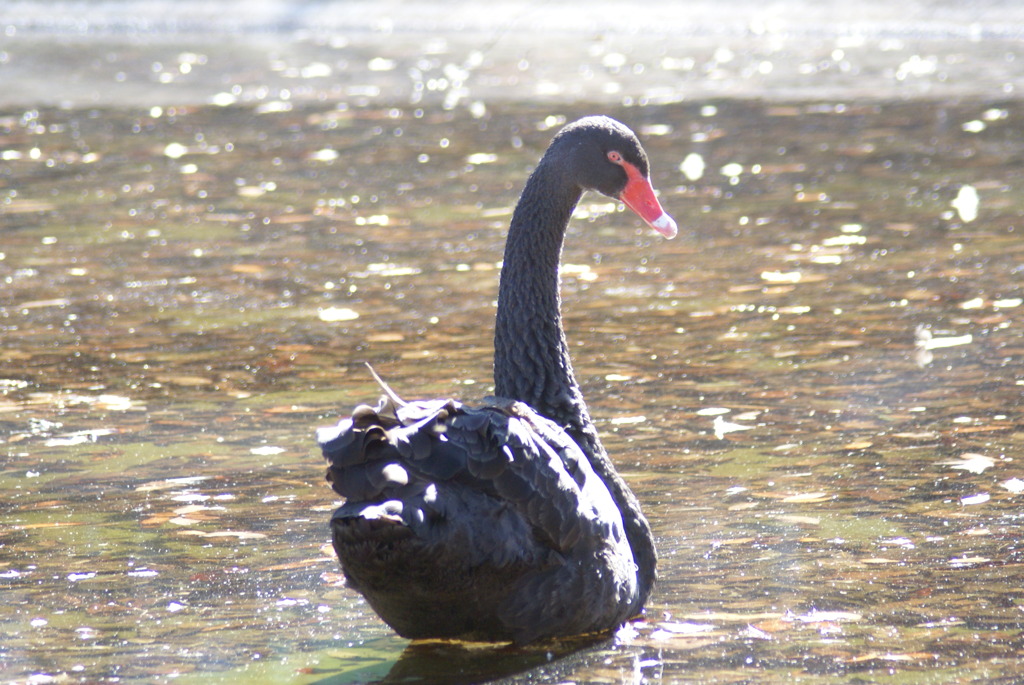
point(506, 521)
point(460, 663)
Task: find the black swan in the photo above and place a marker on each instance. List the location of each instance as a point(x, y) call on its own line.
point(507, 521)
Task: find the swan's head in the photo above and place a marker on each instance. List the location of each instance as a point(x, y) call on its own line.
point(604, 155)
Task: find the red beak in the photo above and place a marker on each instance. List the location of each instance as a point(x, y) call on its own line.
point(638, 195)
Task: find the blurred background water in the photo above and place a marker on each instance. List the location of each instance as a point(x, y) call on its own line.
point(146, 53)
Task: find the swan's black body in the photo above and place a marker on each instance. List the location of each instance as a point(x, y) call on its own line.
point(506, 521)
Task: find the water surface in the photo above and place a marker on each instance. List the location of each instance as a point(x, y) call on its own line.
point(815, 390)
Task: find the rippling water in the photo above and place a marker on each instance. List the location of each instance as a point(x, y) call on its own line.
point(815, 390)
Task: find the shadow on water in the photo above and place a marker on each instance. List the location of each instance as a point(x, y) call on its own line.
point(445, 663)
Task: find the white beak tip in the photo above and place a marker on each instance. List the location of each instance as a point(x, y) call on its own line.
point(665, 225)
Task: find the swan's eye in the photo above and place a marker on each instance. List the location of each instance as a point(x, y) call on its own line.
point(614, 157)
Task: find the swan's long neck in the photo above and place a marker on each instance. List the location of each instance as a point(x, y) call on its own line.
point(531, 357)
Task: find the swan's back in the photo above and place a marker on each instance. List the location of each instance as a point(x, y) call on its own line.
point(476, 523)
